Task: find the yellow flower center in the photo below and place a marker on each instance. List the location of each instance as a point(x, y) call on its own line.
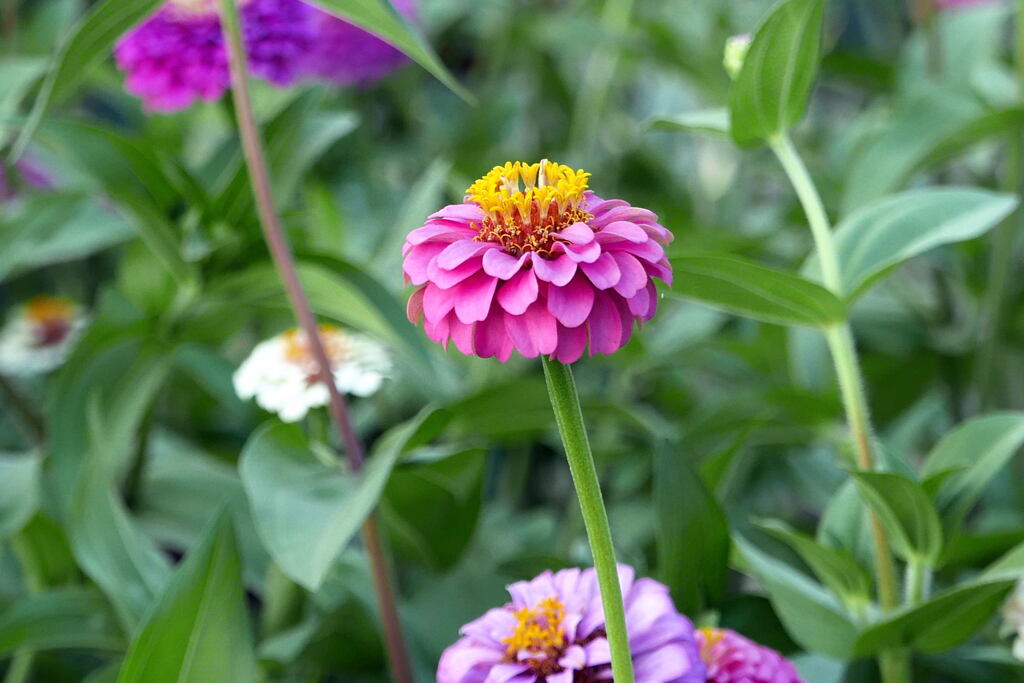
point(712, 636)
point(195, 8)
point(297, 349)
point(539, 633)
point(47, 309)
point(525, 203)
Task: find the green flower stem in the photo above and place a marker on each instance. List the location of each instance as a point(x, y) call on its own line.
point(918, 582)
point(280, 251)
point(566, 404)
point(894, 664)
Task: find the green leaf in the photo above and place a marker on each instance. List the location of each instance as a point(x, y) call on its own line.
point(306, 510)
point(692, 532)
point(76, 618)
point(981, 447)
point(811, 616)
point(112, 551)
point(897, 228)
point(17, 74)
point(834, 568)
point(940, 624)
point(906, 511)
point(90, 42)
point(199, 630)
point(712, 122)
point(376, 17)
point(431, 509)
point(46, 545)
point(19, 491)
point(748, 289)
point(844, 525)
point(772, 88)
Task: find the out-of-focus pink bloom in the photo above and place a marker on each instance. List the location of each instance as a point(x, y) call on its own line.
point(347, 54)
point(553, 631)
point(533, 261)
point(731, 658)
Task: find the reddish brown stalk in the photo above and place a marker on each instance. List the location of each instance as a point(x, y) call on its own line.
point(281, 253)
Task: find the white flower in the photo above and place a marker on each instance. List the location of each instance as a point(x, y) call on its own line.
point(282, 374)
point(1013, 619)
point(38, 336)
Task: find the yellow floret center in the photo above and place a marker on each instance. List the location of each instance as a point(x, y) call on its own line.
point(46, 309)
point(539, 631)
point(525, 203)
point(297, 348)
point(712, 636)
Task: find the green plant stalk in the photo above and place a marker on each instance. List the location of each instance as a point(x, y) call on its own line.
point(566, 404)
point(894, 664)
point(918, 582)
point(280, 251)
point(20, 669)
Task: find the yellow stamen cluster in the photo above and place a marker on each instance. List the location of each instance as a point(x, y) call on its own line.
point(538, 632)
point(525, 203)
point(195, 8)
point(297, 349)
point(712, 636)
point(44, 310)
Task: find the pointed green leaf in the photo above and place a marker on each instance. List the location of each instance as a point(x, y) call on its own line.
point(712, 122)
point(772, 88)
point(199, 630)
point(76, 618)
point(19, 491)
point(745, 288)
point(906, 511)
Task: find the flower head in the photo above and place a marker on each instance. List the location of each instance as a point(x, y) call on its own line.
point(553, 631)
point(39, 335)
point(532, 260)
point(731, 658)
point(346, 54)
point(283, 376)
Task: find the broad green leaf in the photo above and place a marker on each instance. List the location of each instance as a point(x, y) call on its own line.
point(199, 630)
point(19, 491)
point(50, 562)
point(980, 447)
point(376, 17)
point(112, 551)
point(17, 74)
point(844, 525)
point(306, 510)
point(713, 122)
point(940, 624)
point(91, 41)
point(692, 532)
point(834, 568)
point(64, 618)
point(430, 509)
point(811, 616)
point(898, 228)
point(1008, 567)
point(772, 88)
point(906, 511)
point(748, 289)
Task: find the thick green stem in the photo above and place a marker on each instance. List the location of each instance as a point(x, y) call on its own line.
point(280, 251)
point(918, 582)
point(893, 664)
point(566, 404)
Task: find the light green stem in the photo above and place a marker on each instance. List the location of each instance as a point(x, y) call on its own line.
point(566, 404)
point(918, 581)
point(893, 664)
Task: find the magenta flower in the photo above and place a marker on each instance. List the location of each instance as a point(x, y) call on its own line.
point(346, 54)
point(532, 260)
point(731, 658)
point(553, 632)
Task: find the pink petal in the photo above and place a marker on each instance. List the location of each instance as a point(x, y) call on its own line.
point(535, 332)
point(447, 279)
point(626, 230)
point(604, 272)
point(634, 277)
point(437, 302)
point(464, 211)
point(489, 336)
point(501, 264)
point(473, 297)
point(414, 307)
point(649, 251)
point(571, 343)
point(605, 326)
point(644, 302)
point(577, 233)
point(438, 331)
point(612, 211)
point(519, 292)
point(581, 253)
point(457, 253)
point(557, 271)
point(661, 270)
point(417, 262)
point(441, 231)
point(572, 303)
point(462, 335)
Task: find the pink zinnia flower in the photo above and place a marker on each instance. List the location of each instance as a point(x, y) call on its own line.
point(346, 54)
point(731, 658)
point(532, 260)
point(553, 631)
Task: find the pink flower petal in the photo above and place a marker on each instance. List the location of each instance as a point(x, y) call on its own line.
point(501, 264)
point(516, 295)
point(535, 332)
point(605, 326)
point(626, 230)
point(581, 253)
point(449, 278)
point(572, 303)
point(577, 233)
point(489, 335)
point(414, 307)
point(650, 250)
point(438, 331)
point(571, 343)
point(644, 302)
point(557, 271)
point(473, 297)
point(457, 253)
point(462, 335)
point(634, 277)
point(417, 262)
point(437, 302)
point(464, 211)
point(441, 231)
point(604, 272)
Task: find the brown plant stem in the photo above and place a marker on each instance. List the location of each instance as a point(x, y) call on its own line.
point(281, 253)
